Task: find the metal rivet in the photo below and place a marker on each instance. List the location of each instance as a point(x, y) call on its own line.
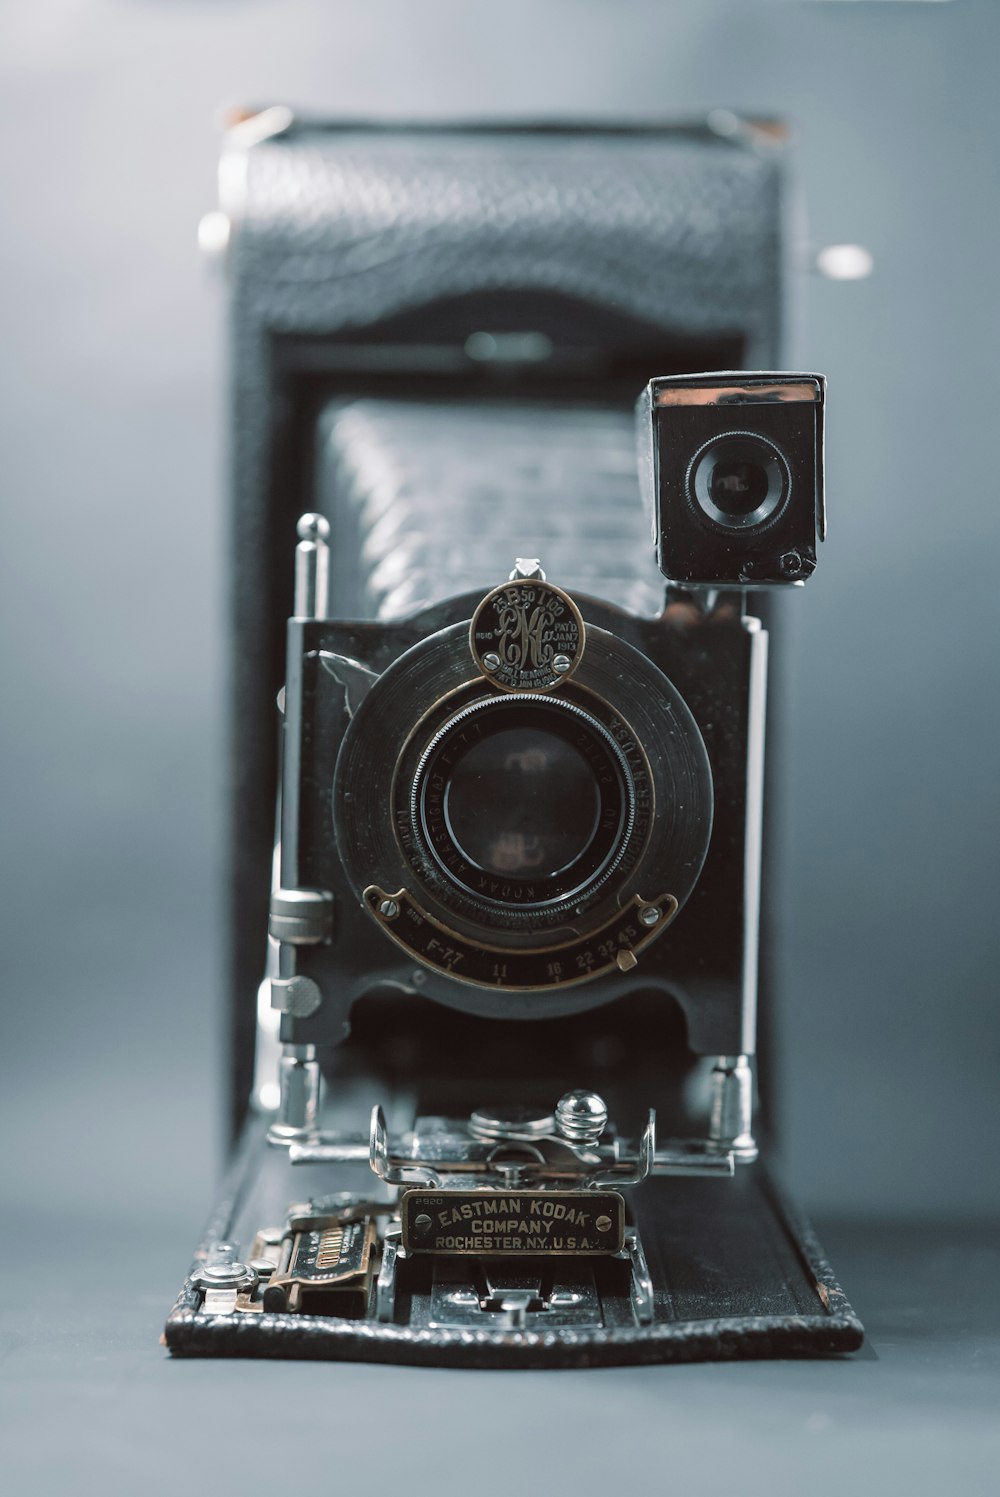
point(845, 262)
point(214, 230)
point(603, 1224)
point(650, 915)
point(389, 908)
point(561, 664)
point(491, 661)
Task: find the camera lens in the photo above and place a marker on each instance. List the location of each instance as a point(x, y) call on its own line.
point(522, 803)
point(739, 480)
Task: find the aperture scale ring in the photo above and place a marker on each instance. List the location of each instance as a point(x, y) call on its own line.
point(615, 944)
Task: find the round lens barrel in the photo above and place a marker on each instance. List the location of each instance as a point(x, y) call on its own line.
point(523, 802)
point(739, 480)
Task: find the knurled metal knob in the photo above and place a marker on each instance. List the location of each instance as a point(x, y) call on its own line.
point(581, 1116)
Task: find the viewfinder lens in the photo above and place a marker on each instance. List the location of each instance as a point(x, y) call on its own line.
point(739, 480)
point(737, 486)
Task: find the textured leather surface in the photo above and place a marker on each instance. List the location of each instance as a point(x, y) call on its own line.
point(349, 227)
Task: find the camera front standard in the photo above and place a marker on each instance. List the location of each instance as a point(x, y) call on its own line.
point(499, 814)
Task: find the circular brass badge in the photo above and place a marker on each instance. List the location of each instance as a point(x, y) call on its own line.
point(527, 636)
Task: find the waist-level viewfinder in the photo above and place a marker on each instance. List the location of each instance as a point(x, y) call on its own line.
point(732, 468)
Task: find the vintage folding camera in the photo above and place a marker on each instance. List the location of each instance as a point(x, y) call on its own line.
point(497, 1102)
point(515, 807)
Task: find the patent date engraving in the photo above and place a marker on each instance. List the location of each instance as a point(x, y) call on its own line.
point(527, 636)
point(513, 1223)
point(614, 944)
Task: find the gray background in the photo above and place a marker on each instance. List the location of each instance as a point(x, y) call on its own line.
point(112, 605)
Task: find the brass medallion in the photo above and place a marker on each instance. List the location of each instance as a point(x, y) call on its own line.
point(527, 636)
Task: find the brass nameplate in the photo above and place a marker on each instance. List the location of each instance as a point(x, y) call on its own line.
point(476, 1223)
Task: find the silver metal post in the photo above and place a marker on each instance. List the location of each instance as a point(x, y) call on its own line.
point(298, 1068)
point(312, 567)
point(298, 1079)
point(730, 1126)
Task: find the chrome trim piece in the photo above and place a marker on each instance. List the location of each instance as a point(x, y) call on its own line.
point(754, 834)
point(802, 392)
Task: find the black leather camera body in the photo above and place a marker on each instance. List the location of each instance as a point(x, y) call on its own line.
point(502, 1106)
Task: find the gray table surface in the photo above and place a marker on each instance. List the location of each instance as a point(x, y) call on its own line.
point(90, 1402)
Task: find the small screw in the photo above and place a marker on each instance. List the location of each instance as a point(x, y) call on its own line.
point(223, 1274)
point(603, 1224)
point(650, 915)
point(561, 664)
point(389, 908)
point(491, 661)
point(422, 1225)
point(791, 563)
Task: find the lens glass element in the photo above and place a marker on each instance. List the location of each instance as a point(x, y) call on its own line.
point(522, 802)
point(737, 487)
